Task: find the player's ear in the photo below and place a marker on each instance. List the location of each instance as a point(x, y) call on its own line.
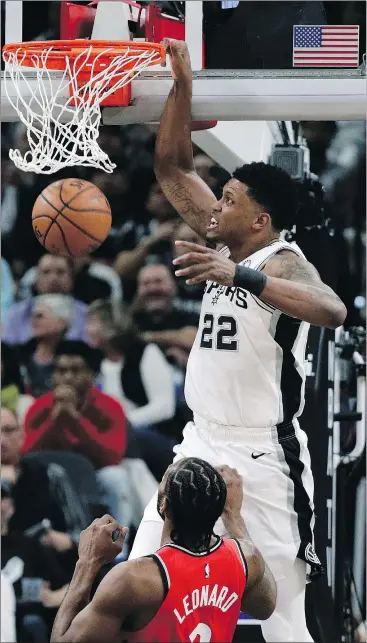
point(164, 506)
point(261, 221)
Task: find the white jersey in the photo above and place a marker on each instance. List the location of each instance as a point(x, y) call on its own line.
point(246, 366)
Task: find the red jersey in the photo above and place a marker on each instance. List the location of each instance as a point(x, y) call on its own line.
point(204, 594)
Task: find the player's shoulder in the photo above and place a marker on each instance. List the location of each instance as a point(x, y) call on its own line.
point(139, 580)
point(286, 262)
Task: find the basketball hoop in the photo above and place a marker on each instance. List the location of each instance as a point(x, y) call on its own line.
point(94, 73)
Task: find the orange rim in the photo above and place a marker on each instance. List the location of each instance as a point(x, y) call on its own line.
point(71, 49)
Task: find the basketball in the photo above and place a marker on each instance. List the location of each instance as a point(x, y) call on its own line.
point(71, 218)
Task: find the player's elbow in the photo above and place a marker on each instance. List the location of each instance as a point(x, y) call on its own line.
point(267, 608)
point(170, 168)
point(260, 599)
point(165, 166)
point(340, 314)
point(336, 314)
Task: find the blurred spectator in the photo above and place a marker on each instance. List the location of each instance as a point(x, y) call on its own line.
point(95, 280)
point(213, 175)
point(203, 165)
point(318, 135)
point(7, 288)
point(116, 187)
point(11, 380)
point(40, 493)
point(157, 317)
point(54, 275)
point(8, 606)
point(128, 262)
point(150, 239)
point(12, 388)
point(39, 582)
point(19, 191)
point(52, 316)
point(338, 155)
point(101, 315)
point(137, 374)
point(188, 297)
point(92, 280)
point(345, 157)
point(79, 418)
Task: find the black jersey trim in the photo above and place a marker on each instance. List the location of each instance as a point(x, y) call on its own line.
point(127, 625)
point(163, 572)
point(242, 555)
point(281, 249)
point(196, 554)
point(291, 382)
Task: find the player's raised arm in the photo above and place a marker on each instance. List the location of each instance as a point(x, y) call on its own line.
point(260, 594)
point(174, 165)
point(81, 620)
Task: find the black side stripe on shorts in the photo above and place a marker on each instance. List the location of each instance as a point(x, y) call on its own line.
point(301, 501)
point(291, 387)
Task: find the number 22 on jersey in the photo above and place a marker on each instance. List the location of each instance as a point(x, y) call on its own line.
point(219, 333)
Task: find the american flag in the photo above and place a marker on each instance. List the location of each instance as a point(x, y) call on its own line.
point(326, 46)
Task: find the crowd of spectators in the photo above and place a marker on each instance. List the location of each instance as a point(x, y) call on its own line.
point(94, 353)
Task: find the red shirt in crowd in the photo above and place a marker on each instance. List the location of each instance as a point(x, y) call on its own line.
point(99, 433)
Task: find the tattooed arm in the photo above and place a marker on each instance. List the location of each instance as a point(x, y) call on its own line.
point(173, 164)
point(260, 594)
point(294, 286)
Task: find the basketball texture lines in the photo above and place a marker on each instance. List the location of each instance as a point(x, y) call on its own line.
point(71, 217)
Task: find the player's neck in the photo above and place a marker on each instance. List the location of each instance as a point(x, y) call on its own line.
point(240, 252)
point(166, 535)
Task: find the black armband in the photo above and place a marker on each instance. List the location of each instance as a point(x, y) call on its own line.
point(252, 280)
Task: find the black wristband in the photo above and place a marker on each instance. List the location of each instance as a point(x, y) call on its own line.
point(252, 280)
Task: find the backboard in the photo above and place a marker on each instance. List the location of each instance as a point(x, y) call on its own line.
point(223, 95)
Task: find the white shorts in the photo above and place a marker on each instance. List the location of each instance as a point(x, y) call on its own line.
point(278, 488)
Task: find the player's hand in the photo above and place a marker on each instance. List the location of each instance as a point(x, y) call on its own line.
point(234, 488)
point(180, 59)
point(203, 263)
point(102, 541)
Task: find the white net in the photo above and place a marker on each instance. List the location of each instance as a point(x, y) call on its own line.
point(61, 134)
